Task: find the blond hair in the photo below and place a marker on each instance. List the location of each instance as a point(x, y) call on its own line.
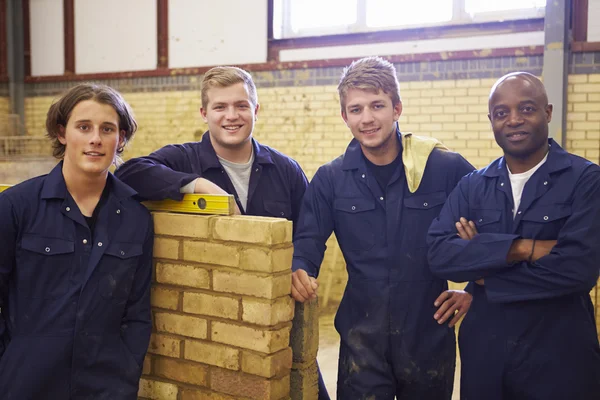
point(224, 77)
point(371, 74)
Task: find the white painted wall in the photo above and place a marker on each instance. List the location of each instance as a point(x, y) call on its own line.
point(209, 32)
point(115, 35)
point(47, 32)
point(478, 43)
point(593, 21)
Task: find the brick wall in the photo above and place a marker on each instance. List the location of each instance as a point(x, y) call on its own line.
point(221, 309)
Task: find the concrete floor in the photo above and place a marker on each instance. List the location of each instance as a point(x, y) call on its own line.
point(329, 346)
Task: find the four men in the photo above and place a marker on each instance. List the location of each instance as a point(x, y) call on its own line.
point(524, 231)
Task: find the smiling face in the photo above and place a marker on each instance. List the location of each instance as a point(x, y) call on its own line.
point(230, 114)
point(520, 113)
point(371, 117)
point(91, 139)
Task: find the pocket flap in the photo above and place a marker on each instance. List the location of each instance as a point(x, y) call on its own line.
point(425, 201)
point(354, 205)
point(279, 209)
point(484, 217)
point(547, 213)
point(46, 245)
point(124, 250)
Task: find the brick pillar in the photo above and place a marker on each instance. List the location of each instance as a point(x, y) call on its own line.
point(221, 308)
point(305, 343)
point(595, 293)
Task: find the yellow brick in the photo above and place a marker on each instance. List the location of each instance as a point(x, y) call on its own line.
point(586, 126)
point(467, 135)
point(414, 119)
point(593, 116)
point(171, 224)
point(442, 118)
point(211, 253)
point(454, 127)
point(442, 101)
point(249, 386)
point(269, 287)
point(460, 92)
point(247, 229)
point(181, 325)
point(578, 97)
point(269, 366)
point(444, 84)
point(467, 100)
point(593, 135)
point(578, 78)
point(268, 313)
point(494, 152)
point(262, 340)
point(593, 97)
point(481, 91)
point(468, 83)
point(594, 78)
point(466, 118)
point(576, 135)
point(166, 248)
point(479, 144)
point(212, 354)
point(419, 85)
point(181, 371)
point(164, 298)
point(147, 367)
point(478, 126)
point(193, 394)
point(184, 275)
point(266, 260)
point(210, 304)
point(586, 87)
point(164, 345)
point(456, 144)
point(155, 390)
point(573, 116)
point(431, 127)
point(432, 93)
point(585, 144)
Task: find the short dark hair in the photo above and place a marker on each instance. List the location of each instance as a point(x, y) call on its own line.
point(60, 112)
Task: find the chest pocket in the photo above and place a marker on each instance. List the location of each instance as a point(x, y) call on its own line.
point(419, 212)
point(44, 266)
point(278, 209)
point(487, 221)
point(117, 270)
point(544, 222)
point(355, 223)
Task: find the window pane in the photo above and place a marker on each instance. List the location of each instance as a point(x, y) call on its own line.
point(307, 14)
point(391, 13)
point(479, 6)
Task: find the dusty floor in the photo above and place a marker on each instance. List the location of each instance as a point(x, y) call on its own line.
point(329, 345)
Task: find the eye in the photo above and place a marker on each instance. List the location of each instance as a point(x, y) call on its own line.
point(354, 110)
point(108, 129)
point(244, 106)
point(500, 114)
point(83, 128)
point(218, 107)
point(378, 106)
point(528, 109)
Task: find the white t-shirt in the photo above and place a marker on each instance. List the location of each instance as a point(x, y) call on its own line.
point(518, 181)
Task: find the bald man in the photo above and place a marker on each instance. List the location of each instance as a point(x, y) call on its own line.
point(526, 231)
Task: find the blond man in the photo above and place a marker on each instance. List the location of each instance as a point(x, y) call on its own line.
point(379, 198)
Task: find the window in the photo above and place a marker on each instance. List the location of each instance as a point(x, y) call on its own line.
point(297, 18)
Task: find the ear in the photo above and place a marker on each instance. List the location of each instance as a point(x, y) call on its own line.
point(61, 135)
point(203, 113)
point(345, 117)
point(256, 111)
point(397, 111)
point(548, 110)
point(122, 140)
point(490, 117)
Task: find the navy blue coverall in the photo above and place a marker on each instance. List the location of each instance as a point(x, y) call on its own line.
point(75, 320)
point(277, 183)
point(390, 343)
point(530, 332)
